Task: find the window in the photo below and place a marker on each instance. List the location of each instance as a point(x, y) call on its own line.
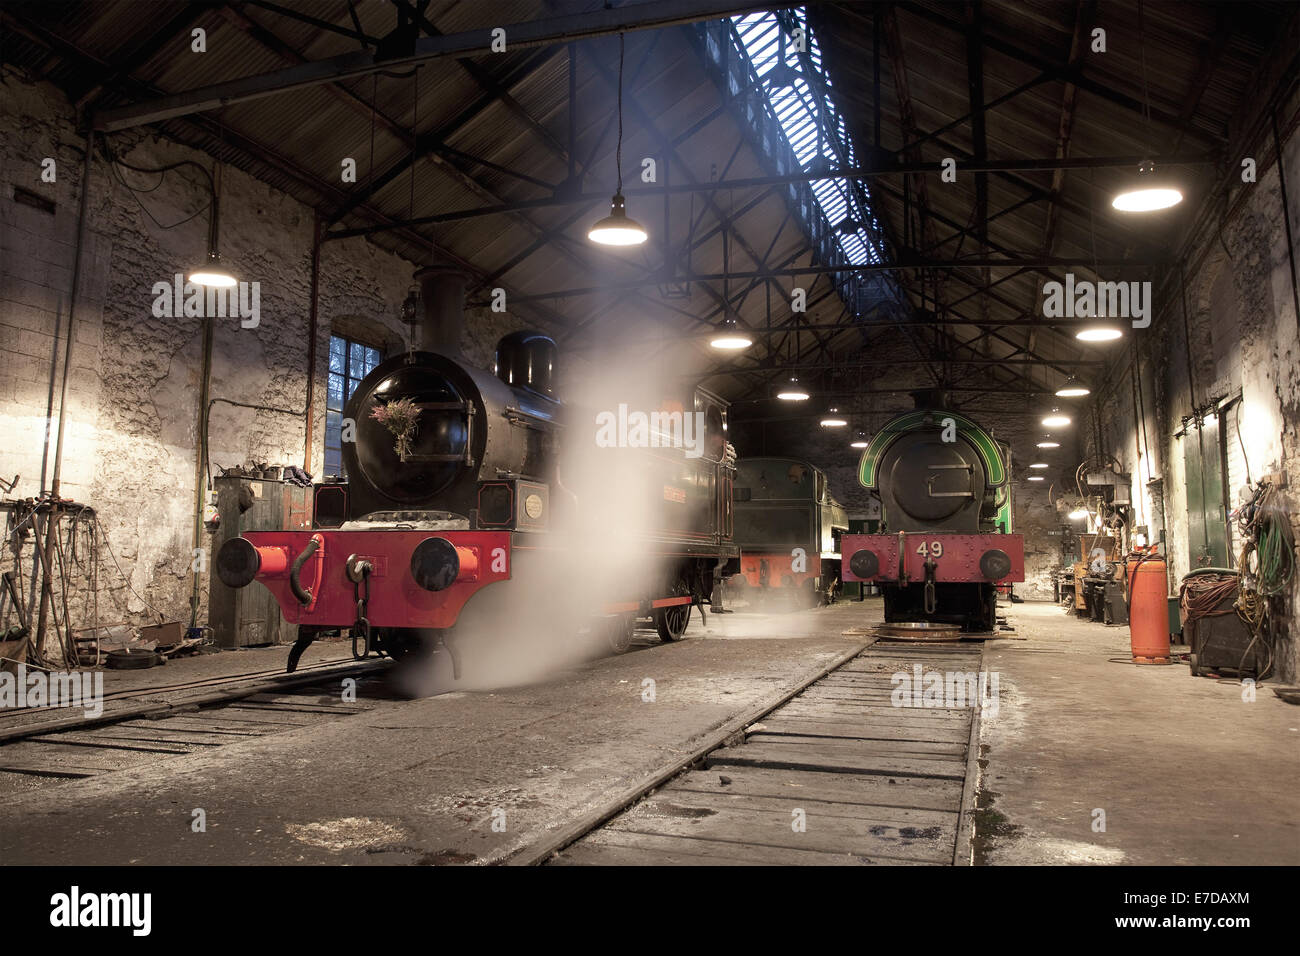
point(781, 88)
point(814, 131)
point(350, 362)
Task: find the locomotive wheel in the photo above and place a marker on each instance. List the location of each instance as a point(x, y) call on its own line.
point(671, 622)
point(618, 632)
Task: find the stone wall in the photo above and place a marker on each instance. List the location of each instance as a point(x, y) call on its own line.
point(133, 412)
point(1240, 342)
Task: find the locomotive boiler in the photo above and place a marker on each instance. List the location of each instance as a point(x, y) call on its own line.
point(788, 528)
point(946, 542)
point(454, 484)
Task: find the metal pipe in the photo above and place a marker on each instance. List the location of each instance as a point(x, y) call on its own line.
point(1286, 212)
point(1137, 425)
point(1187, 338)
point(200, 466)
point(313, 331)
point(56, 482)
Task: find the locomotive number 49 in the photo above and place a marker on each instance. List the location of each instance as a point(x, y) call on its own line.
point(935, 549)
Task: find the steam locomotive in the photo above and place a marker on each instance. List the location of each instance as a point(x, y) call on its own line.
point(788, 527)
point(470, 493)
point(946, 541)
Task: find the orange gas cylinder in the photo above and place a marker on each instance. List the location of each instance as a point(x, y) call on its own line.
point(1148, 609)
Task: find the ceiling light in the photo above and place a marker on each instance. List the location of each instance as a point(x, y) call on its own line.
point(833, 420)
point(617, 229)
point(1039, 464)
point(213, 273)
point(1098, 333)
point(730, 337)
point(792, 391)
point(1072, 388)
point(1037, 478)
point(1056, 420)
point(1148, 194)
point(1048, 443)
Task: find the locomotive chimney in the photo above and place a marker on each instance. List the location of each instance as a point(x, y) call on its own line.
point(442, 299)
point(924, 399)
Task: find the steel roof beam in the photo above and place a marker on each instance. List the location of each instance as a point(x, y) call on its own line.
point(1065, 74)
point(489, 84)
point(257, 152)
point(355, 34)
point(433, 141)
point(554, 30)
point(997, 166)
point(1025, 262)
point(142, 53)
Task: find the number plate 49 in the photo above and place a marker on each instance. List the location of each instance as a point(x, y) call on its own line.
point(932, 549)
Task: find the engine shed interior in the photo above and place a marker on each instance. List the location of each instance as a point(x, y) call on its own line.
point(758, 363)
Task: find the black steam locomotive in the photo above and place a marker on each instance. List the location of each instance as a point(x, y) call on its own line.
point(454, 483)
point(945, 493)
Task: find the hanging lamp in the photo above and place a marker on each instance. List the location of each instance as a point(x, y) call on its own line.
point(618, 229)
point(1055, 419)
point(1073, 388)
point(1149, 192)
point(792, 391)
point(730, 337)
point(213, 272)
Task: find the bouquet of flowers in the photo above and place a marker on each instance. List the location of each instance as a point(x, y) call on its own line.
point(399, 417)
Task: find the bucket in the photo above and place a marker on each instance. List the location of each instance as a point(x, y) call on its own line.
point(1148, 611)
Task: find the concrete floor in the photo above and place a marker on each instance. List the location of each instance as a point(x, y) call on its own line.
point(1185, 771)
point(419, 781)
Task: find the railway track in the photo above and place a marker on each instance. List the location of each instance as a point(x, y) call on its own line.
point(834, 774)
point(142, 728)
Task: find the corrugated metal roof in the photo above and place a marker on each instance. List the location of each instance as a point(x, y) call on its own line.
point(1199, 59)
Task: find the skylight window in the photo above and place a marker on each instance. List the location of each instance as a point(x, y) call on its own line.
point(797, 94)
